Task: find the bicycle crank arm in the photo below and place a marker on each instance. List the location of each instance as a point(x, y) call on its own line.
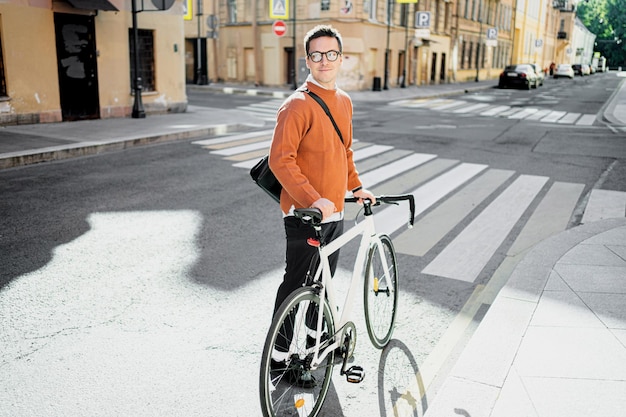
point(354, 374)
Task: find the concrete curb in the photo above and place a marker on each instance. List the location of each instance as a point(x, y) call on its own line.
point(608, 111)
point(55, 153)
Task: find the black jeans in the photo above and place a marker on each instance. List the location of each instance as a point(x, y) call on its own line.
point(298, 260)
point(299, 254)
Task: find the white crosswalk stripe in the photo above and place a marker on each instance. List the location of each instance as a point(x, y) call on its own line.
point(489, 110)
point(495, 203)
point(265, 110)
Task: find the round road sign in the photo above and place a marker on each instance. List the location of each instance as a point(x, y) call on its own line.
point(279, 28)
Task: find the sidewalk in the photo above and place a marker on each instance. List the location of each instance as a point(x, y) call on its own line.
point(553, 343)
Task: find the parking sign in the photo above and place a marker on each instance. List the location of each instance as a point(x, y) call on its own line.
point(492, 33)
point(422, 20)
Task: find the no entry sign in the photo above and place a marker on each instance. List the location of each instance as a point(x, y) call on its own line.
point(279, 27)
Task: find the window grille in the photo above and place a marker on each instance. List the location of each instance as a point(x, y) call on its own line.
point(145, 50)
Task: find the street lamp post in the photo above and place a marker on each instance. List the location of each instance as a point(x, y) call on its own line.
point(386, 83)
point(406, 46)
point(294, 70)
point(479, 50)
point(138, 110)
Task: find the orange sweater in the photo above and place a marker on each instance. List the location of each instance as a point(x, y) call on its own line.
point(306, 154)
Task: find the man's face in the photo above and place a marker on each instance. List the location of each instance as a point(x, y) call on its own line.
point(324, 72)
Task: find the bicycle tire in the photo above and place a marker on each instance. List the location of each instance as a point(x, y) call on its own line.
point(280, 396)
point(380, 298)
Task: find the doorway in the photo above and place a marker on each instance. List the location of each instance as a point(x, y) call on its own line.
point(290, 67)
point(77, 66)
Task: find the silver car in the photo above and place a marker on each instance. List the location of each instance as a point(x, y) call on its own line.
point(564, 70)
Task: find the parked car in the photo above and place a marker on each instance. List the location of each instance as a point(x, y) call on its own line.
point(581, 69)
point(563, 70)
point(586, 69)
point(539, 72)
point(520, 75)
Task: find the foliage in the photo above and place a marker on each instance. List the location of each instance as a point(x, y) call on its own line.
point(607, 20)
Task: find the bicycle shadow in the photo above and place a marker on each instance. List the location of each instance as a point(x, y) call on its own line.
point(401, 391)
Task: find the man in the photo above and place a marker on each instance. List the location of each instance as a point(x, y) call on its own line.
point(313, 163)
point(307, 156)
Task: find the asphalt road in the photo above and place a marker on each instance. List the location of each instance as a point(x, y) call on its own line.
point(141, 282)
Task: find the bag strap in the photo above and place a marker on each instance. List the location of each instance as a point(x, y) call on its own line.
point(326, 110)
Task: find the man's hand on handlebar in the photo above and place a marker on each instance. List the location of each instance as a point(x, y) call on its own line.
point(362, 194)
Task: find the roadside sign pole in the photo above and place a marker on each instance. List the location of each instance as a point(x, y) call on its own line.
point(294, 71)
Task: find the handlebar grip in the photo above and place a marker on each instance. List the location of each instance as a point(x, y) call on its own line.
point(392, 199)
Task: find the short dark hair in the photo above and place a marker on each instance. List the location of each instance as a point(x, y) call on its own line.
point(320, 31)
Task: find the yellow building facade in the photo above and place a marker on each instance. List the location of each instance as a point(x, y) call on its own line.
point(65, 61)
point(385, 44)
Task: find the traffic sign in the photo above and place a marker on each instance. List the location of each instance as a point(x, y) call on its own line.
point(422, 20)
point(279, 9)
point(279, 28)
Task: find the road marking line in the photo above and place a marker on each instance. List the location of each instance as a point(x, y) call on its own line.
point(524, 113)
point(471, 108)
point(569, 118)
point(553, 116)
point(538, 115)
point(604, 204)
point(495, 111)
point(243, 148)
point(453, 104)
point(586, 119)
point(370, 151)
point(391, 219)
point(429, 230)
point(234, 138)
point(391, 170)
point(466, 256)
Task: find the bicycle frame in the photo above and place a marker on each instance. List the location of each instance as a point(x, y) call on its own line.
point(366, 229)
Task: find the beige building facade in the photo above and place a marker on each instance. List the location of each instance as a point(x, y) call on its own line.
point(386, 44)
point(66, 61)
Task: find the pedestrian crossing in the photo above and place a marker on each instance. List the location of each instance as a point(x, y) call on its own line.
point(265, 110)
point(454, 106)
point(465, 212)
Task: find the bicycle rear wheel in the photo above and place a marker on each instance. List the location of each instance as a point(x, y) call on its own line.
point(381, 292)
point(288, 384)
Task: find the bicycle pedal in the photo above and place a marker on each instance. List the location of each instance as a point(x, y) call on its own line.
point(355, 374)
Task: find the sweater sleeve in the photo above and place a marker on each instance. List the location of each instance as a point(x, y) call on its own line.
point(290, 129)
point(353, 174)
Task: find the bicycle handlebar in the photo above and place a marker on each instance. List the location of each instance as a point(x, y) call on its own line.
point(391, 199)
point(313, 215)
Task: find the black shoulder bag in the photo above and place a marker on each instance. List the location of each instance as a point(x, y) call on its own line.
point(261, 173)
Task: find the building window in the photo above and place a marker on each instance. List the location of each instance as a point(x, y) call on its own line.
point(232, 11)
point(325, 5)
point(373, 6)
point(404, 15)
point(145, 50)
point(3, 82)
point(463, 46)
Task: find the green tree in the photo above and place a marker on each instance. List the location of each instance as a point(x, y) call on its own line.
point(607, 20)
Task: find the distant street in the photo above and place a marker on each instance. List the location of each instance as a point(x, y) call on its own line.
point(147, 275)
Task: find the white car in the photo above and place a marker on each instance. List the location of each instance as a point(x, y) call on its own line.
point(564, 70)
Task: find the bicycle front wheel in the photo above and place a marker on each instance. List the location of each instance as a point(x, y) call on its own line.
point(289, 385)
point(381, 291)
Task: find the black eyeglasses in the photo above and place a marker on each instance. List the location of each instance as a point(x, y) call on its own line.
point(330, 56)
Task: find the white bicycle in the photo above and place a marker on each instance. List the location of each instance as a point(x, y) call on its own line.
point(307, 331)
